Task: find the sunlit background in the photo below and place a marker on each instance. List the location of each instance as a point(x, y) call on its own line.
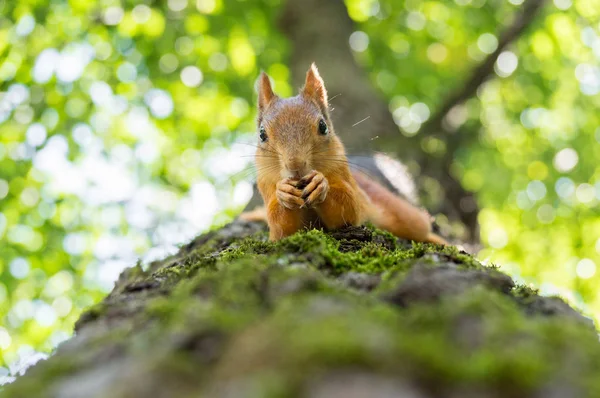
point(124, 131)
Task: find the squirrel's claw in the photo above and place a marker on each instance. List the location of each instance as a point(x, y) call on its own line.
point(304, 181)
point(288, 195)
point(316, 191)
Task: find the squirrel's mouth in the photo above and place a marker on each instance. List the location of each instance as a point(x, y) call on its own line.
point(294, 174)
point(285, 173)
point(294, 167)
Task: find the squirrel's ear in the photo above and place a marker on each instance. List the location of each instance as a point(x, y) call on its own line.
point(265, 92)
point(314, 87)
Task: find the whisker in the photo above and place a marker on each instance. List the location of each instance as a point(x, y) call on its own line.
point(259, 156)
point(256, 146)
point(252, 169)
point(353, 156)
point(352, 165)
point(366, 153)
point(359, 122)
point(313, 147)
point(344, 161)
point(334, 97)
point(368, 156)
point(273, 150)
point(359, 170)
point(247, 143)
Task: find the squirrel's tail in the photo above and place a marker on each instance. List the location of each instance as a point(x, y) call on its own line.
point(436, 239)
point(392, 213)
point(257, 214)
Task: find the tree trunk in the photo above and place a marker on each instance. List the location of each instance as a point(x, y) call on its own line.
point(354, 313)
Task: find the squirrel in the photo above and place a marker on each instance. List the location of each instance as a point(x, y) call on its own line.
point(304, 177)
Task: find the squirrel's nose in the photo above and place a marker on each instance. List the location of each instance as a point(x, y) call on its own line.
point(295, 165)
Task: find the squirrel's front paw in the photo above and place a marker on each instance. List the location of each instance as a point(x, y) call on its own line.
point(288, 195)
point(316, 188)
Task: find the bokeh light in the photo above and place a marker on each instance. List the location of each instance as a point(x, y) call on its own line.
point(126, 130)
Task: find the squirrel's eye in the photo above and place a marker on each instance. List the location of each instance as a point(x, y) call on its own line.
point(262, 134)
point(323, 129)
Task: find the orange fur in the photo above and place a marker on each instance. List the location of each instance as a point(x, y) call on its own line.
point(304, 177)
point(282, 222)
point(396, 215)
point(257, 214)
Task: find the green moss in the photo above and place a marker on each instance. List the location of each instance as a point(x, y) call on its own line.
point(379, 253)
point(91, 314)
point(446, 253)
point(321, 250)
point(248, 246)
point(41, 377)
point(276, 316)
point(184, 268)
point(524, 292)
point(428, 344)
point(384, 237)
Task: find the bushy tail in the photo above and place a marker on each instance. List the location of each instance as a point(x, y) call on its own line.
point(436, 239)
point(396, 215)
point(258, 214)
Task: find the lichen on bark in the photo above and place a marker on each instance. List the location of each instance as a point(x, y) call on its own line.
point(351, 313)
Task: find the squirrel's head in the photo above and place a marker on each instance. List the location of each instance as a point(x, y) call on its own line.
point(295, 135)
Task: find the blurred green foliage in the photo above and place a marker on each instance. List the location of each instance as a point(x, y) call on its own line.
point(533, 131)
point(122, 130)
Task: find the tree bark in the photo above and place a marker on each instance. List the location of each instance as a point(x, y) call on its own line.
point(354, 313)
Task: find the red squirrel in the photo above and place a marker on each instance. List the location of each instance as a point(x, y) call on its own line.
point(304, 177)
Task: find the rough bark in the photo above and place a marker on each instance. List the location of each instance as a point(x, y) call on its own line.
point(354, 313)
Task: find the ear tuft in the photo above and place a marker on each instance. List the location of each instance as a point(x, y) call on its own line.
point(265, 91)
point(314, 87)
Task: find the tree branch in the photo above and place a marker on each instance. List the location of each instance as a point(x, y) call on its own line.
point(523, 19)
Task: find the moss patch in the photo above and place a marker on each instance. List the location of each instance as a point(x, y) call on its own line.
point(234, 314)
